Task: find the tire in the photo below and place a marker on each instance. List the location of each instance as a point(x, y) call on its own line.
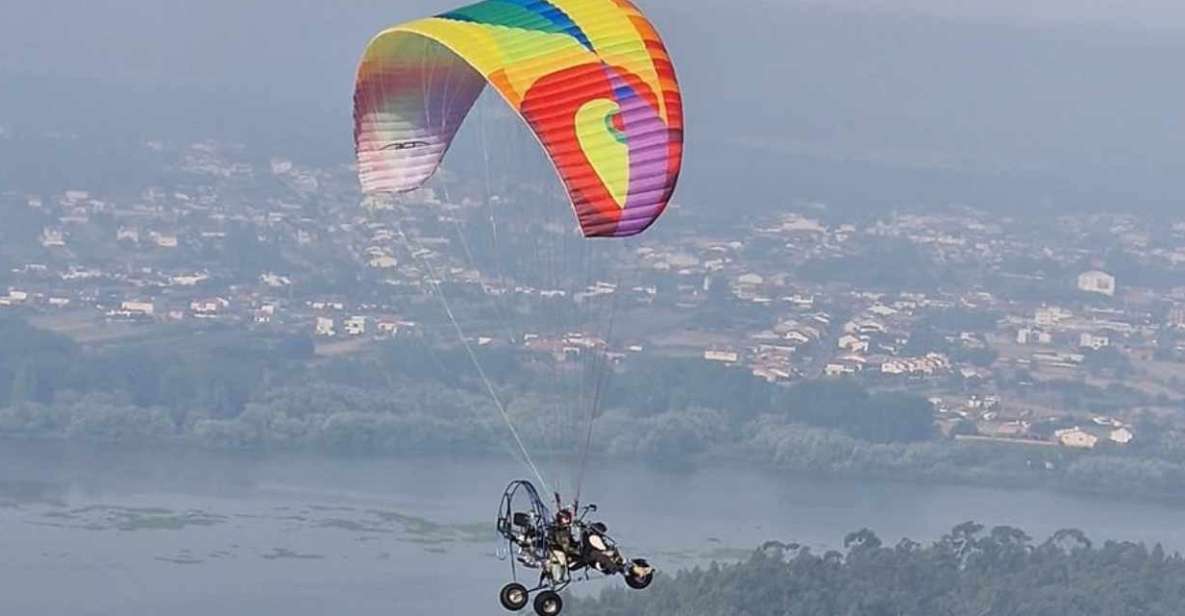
point(514, 596)
point(638, 582)
point(635, 581)
point(548, 603)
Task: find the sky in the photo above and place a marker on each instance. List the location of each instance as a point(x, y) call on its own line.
point(1115, 13)
point(242, 42)
point(903, 100)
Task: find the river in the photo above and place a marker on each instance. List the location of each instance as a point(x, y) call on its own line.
point(92, 530)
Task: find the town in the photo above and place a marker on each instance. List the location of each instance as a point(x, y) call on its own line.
point(1048, 332)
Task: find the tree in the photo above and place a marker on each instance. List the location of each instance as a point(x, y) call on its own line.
point(966, 573)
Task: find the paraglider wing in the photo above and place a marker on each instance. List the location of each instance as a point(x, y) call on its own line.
point(591, 78)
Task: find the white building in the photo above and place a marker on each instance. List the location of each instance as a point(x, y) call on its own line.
point(189, 280)
point(1029, 335)
point(264, 313)
point(1176, 317)
point(1077, 438)
point(274, 280)
point(324, 327)
point(1093, 341)
point(1095, 281)
point(931, 363)
point(1059, 359)
point(840, 368)
point(355, 326)
point(852, 344)
point(133, 307)
point(13, 297)
point(52, 238)
point(384, 262)
point(751, 280)
point(128, 234)
point(1122, 436)
point(281, 166)
point(212, 305)
point(728, 357)
point(164, 240)
point(797, 224)
point(1049, 316)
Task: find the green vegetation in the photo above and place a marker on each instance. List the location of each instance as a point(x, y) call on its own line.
point(260, 392)
point(884, 263)
point(411, 397)
point(970, 571)
point(217, 373)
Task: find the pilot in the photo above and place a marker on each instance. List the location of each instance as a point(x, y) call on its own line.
point(561, 534)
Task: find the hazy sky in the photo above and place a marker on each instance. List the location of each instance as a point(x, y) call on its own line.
point(182, 41)
point(1084, 93)
point(1128, 13)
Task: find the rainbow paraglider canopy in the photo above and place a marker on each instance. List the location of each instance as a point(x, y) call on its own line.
point(591, 78)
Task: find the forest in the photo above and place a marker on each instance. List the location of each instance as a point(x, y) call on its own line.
point(969, 571)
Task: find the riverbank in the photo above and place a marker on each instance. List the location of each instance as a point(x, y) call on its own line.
point(679, 440)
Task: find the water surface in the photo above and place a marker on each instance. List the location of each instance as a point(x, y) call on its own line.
point(87, 530)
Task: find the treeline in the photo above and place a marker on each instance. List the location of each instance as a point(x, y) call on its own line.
point(216, 371)
point(656, 387)
point(970, 571)
point(218, 389)
point(1156, 472)
point(221, 388)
